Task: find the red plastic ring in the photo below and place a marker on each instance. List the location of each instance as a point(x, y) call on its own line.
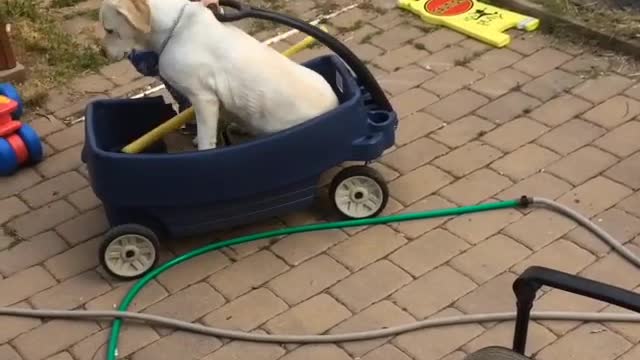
point(22, 153)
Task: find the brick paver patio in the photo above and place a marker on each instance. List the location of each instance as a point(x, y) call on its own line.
point(478, 124)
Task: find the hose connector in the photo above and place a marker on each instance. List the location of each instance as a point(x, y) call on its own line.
point(525, 201)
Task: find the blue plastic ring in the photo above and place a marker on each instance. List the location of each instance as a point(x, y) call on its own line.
point(8, 158)
point(32, 142)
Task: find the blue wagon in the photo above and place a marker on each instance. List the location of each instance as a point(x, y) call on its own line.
point(156, 194)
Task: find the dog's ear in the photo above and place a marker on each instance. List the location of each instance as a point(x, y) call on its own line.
point(137, 12)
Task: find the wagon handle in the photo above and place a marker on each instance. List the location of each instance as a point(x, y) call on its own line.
point(242, 11)
point(527, 285)
point(357, 66)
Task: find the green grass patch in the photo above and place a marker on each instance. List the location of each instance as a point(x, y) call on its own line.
point(597, 15)
point(51, 55)
point(64, 3)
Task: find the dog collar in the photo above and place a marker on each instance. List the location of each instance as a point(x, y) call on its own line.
point(173, 28)
point(145, 62)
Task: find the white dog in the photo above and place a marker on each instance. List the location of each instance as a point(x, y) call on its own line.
point(216, 66)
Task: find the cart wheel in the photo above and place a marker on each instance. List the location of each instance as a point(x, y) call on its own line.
point(8, 158)
point(129, 251)
point(33, 143)
point(359, 192)
point(495, 353)
point(11, 92)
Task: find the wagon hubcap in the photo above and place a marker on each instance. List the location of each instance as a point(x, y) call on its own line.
point(130, 255)
point(359, 196)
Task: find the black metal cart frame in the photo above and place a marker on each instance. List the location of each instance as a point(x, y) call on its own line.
point(529, 283)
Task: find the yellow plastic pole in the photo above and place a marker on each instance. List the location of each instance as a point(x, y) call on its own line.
point(305, 43)
point(177, 121)
point(159, 132)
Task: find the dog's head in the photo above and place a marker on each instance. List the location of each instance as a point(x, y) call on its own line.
point(127, 25)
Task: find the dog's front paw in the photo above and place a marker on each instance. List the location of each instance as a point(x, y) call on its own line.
point(204, 145)
point(203, 148)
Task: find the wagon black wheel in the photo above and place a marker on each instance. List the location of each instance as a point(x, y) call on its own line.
point(495, 353)
point(129, 251)
point(358, 192)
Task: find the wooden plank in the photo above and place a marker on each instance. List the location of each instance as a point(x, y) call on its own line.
point(7, 58)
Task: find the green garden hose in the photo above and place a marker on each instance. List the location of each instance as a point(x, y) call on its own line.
point(133, 292)
point(121, 314)
point(140, 284)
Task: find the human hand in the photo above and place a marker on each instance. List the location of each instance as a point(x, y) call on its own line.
point(211, 4)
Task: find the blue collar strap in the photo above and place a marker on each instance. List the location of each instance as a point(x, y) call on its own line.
point(173, 28)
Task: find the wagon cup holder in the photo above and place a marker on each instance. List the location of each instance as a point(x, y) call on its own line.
point(380, 135)
point(385, 124)
point(380, 121)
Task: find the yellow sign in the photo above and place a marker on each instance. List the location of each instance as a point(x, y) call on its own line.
point(478, 20)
